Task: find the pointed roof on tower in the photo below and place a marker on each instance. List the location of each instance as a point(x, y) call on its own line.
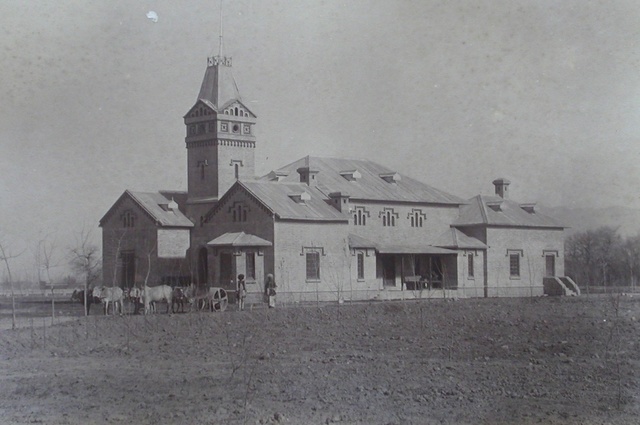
point(218, 86)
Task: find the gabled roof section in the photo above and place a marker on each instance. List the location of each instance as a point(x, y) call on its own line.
point(454, 238)
point(369, 185)
point(238, 239)
point(201, 103)
point(234, 103)
point(481, 210)
point(156, 206)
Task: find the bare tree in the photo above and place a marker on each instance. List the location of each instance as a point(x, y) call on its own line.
point(631, 258)
point(47, 258)
point(85, 260)
point(5, 256)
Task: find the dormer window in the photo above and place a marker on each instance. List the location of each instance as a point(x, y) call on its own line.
point(390, 177)
point(495, 205)
point(277, 175)
point(530, 208)
point(300, 198)
point(351, 175)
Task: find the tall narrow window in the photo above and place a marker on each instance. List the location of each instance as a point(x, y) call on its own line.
point(239, 213)
point(128, 219)
point(388, 217)
point(251, 265)
point(237, 171)
point(360, 216)
point(470, 265)
point(313, 265)
point(514, 265)
point(416, 218)
point(360, 266)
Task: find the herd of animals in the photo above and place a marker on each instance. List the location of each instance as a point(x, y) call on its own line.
point(147, 296)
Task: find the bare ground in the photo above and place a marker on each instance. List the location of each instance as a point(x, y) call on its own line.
point(479, 361)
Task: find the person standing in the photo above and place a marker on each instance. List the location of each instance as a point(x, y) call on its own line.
point(270, 290)
point(241, 291)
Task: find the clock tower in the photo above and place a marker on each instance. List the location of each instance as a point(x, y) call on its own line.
point(220, 139)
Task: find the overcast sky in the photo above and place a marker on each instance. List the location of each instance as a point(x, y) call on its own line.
point(453, 93)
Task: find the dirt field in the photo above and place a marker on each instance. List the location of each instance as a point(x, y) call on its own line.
point(485, 361)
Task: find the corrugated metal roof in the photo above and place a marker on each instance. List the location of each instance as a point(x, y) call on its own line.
point(504, 213)
point(238, 239)
point(369, 186)
point(278, 197)
point(454, 238)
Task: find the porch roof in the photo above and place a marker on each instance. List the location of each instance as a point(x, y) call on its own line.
point(413, 249)
point(356, 241)
point(238, 239)
point(454, 238)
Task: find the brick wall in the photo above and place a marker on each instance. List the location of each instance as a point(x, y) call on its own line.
point(141, 240)
point(259, 222)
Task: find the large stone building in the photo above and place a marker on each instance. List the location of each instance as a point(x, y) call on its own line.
point(326, 228)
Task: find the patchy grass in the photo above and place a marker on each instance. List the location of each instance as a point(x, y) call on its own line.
point(491, 361)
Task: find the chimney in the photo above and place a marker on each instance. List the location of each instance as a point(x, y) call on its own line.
point(502, 187)
point(340, 201)
point(308, 175)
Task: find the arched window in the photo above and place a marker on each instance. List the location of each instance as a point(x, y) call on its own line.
point(360, 216)
point(416, 217)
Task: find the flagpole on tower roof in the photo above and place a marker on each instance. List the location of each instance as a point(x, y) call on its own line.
point(220, 45)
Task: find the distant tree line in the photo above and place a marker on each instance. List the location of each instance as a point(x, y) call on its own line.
point(601, 257)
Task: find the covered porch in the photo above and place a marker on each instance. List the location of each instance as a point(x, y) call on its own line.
point(417, 268)
point(232, 254)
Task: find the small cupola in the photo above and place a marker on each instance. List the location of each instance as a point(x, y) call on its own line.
point(300, 198)
point(390, 177)
point(173, 205)
point(502, 187)
point(340, 201)
point(351, 175)
point(308, 175)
